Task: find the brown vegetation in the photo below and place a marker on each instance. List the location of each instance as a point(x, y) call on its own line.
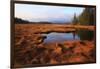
point(29, 48)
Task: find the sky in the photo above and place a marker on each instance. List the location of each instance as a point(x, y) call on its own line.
point(44, 13)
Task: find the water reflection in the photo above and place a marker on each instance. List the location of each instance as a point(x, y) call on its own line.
point(85, 34)
point(60, 37)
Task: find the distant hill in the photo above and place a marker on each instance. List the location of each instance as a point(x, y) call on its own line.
point(19, 20)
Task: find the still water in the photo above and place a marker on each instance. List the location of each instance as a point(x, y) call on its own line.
point(60, 37)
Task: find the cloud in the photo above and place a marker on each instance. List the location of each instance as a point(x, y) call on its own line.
point(46, 13)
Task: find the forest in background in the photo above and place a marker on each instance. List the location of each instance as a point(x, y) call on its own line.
point(86, 18)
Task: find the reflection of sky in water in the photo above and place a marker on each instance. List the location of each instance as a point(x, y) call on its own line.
point(60, 37)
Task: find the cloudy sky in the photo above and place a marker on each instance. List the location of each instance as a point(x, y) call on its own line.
point(39, 13)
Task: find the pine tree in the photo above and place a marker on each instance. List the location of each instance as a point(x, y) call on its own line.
point(87, 17)
point(75, 20)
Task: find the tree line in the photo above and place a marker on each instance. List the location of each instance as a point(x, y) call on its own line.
point(87, 17)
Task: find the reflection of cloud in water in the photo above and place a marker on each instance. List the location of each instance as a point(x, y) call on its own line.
point(60, 37)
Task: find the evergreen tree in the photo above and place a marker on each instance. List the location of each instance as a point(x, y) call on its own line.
point(75, 20)
point(87, 17)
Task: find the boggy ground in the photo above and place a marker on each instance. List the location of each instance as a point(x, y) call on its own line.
point(29, 49)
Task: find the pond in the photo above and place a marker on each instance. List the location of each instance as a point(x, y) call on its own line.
point(60, 37)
